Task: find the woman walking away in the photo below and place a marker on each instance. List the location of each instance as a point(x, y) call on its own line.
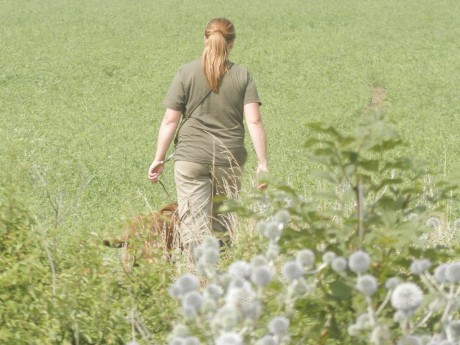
point(213, 95)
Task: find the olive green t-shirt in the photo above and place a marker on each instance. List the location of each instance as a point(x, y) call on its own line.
point(214, 134)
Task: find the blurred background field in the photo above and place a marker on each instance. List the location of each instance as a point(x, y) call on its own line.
point(82, 85)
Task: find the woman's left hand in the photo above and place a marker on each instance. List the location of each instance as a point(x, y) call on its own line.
point(155, 170)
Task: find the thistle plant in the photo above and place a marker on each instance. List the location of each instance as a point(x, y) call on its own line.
point(228, 309)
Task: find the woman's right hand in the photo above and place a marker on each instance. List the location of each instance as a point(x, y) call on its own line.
point(155, 170)
point(261, 173)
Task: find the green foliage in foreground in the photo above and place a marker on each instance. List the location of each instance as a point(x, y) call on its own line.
point(371, 200)
point(53, 296)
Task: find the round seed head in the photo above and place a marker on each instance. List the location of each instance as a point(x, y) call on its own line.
point(391, 283)
point(186, 283)
point(272, 252)
point(239, 269)
point(363, 321)
point(261, 276)
point(282, 216)
point(453, 272)
point(273, 230)
point(406, 297)
point(258, 260)
point(209, 306)
point(339, 264)
point(367, 285)
point(453, 330)
point(419, 267)
point(229, 338)
point(433, 222)
point(359, 261)
point(192, 300)
point(306, 258)
point(210, 256)
point(261, 226)
point(353, 330)
point(132, 343)
point(210, 242)
point(292, 271)
point(400, 316)
point(213, 291)
point(328, 257)
point(244, 301)
point(174, 291)
point(180, 330)
point(440, 273)
point(279, 325)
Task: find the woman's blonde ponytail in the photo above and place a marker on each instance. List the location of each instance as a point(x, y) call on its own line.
point(219, 34)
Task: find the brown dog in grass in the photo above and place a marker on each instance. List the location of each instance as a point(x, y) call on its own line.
point(146, 233)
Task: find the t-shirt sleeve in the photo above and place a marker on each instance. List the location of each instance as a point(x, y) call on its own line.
point(251, 95)
point(175, 97)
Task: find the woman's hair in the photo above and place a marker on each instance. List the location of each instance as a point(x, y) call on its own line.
point(219, 33)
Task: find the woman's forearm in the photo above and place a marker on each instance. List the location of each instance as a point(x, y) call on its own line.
point(257, 133)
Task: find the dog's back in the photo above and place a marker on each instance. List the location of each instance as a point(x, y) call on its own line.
point(156, 229)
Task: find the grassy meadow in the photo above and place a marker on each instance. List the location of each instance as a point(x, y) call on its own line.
point(82, 86)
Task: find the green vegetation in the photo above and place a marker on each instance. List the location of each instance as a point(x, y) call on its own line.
point(81, 90)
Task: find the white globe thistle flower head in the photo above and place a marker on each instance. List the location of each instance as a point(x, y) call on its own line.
point(209, 306)
point(453, 330)
point(453, 272)
point(353, 330)
point(359, 262)
point(433, 222)
point(306, 258)
point(300, 287)
point(282, 216)
point(407, 297)
point(292, 271)
point(132, 343)
point(258, 260)
point(367, 285)
point(410, 340)
point(226, 319)
point(192, 300)
point(440, 273)
point(180, 330)
point(210, 256)
point(420, 267)
point(328, 257)
point(186, 283)
point(279, 326)
point(229, 338)
point(210, 242)
point(239, 269)
point(392, 282)
point(339, 264)
point(261, 227)
point(213, 291)
point(261, 276)
point(272, 252)
point(400, 316)
point(273, 230)
point(243, 300)
point(363, 321)
point(267, 340)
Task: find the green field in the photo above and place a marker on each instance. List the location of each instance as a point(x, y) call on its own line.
point(82, 86)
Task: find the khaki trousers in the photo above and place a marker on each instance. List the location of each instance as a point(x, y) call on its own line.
point(197, 185)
